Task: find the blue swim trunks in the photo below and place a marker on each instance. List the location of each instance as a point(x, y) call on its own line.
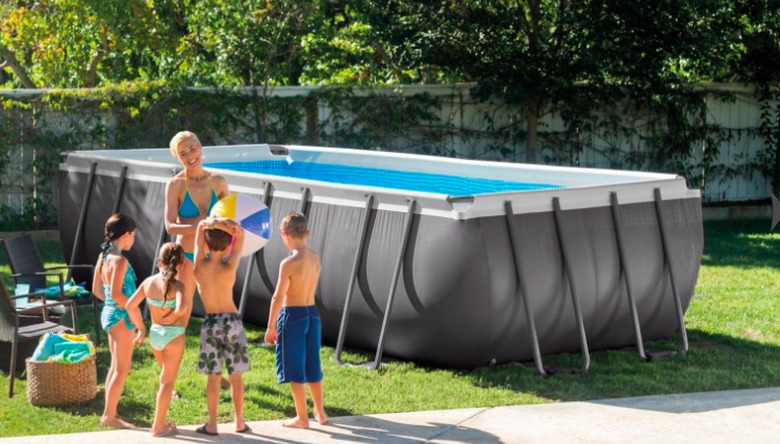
point(298, 347)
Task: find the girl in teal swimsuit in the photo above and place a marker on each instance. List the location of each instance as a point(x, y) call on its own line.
point(170, 309)
point(114, 283)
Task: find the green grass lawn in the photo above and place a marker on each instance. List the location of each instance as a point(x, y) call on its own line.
point(732, 325)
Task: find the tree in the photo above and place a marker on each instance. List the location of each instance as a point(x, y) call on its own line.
point(73, 43)
point(538, 54)
point(761, 67)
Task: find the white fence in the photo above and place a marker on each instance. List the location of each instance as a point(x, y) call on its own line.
point(467, 125)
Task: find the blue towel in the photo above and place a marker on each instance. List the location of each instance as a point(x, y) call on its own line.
point(61, 349)
point(45, 348)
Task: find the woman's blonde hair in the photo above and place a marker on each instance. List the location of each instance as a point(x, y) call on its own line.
point(180, 137)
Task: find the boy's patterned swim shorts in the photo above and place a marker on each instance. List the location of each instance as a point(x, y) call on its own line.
point(222, 341)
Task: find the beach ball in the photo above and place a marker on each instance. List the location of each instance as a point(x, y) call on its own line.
point(253, 216)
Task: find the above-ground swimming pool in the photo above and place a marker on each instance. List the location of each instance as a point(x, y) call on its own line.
point(442, 261)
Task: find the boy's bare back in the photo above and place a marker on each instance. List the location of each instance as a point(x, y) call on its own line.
point(215, 284)
point(215, 273)
point(302, 272)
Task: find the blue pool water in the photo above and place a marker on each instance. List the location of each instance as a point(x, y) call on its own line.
point(379, 177)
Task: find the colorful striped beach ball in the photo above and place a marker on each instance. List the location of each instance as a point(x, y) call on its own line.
point(253, 216)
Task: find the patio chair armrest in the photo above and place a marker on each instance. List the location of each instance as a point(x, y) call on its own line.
point(69, 302)
point(27, 295)
point(69, 267)
point(47, 273)
point(37, 311)
point(18, 275)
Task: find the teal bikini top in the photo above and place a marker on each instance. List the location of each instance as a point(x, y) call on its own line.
point(128, 285)
point(189, 208)
point(170, 303)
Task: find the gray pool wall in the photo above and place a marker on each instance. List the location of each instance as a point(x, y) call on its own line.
point(458, 302)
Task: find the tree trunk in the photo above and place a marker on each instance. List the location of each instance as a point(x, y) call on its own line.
point(10, 59)
point(776, 175)
point(91, 80)
point(259, 114)
point(532, 133)
point(312, 111)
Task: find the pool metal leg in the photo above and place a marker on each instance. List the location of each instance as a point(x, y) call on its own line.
point(120, 192)
point(254, 259)
point(245, 288)
point(640, 347)
point(529, 313)
point(670, 267)
point(572, 286)
point(77, 239)
point(353, 277)
point(304, 201)
point(260, 255)
point(391, 297)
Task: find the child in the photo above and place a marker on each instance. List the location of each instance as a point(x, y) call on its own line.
point(294, 324)
point(170, 310)
point(222, 336)
point(114, 283)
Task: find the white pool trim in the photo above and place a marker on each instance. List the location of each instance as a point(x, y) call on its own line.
point(583, 187)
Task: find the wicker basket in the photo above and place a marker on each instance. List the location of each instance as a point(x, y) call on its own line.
point(58, 384)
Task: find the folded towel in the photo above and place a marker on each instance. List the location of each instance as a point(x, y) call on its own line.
point(63, 348)
point(70, 356)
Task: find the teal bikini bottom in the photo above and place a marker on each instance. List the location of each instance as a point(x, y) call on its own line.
point(161, 335)
point(111, 316)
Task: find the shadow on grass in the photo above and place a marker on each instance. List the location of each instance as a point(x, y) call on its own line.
point(714, 362)
point(131, 410)
point(744, 243)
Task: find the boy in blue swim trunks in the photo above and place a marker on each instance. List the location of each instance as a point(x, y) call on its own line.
point(222, 336)
point(294, 324)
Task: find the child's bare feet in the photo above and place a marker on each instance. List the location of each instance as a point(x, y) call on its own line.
point(168, 429)
point(297, 423)
point(116, 422)
point(321, 417)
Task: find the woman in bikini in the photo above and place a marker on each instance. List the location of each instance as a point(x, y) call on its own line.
point(189, 196)
point(169, 308)
point(114, 283)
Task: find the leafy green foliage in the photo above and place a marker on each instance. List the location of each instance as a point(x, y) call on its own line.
point(619, 74)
